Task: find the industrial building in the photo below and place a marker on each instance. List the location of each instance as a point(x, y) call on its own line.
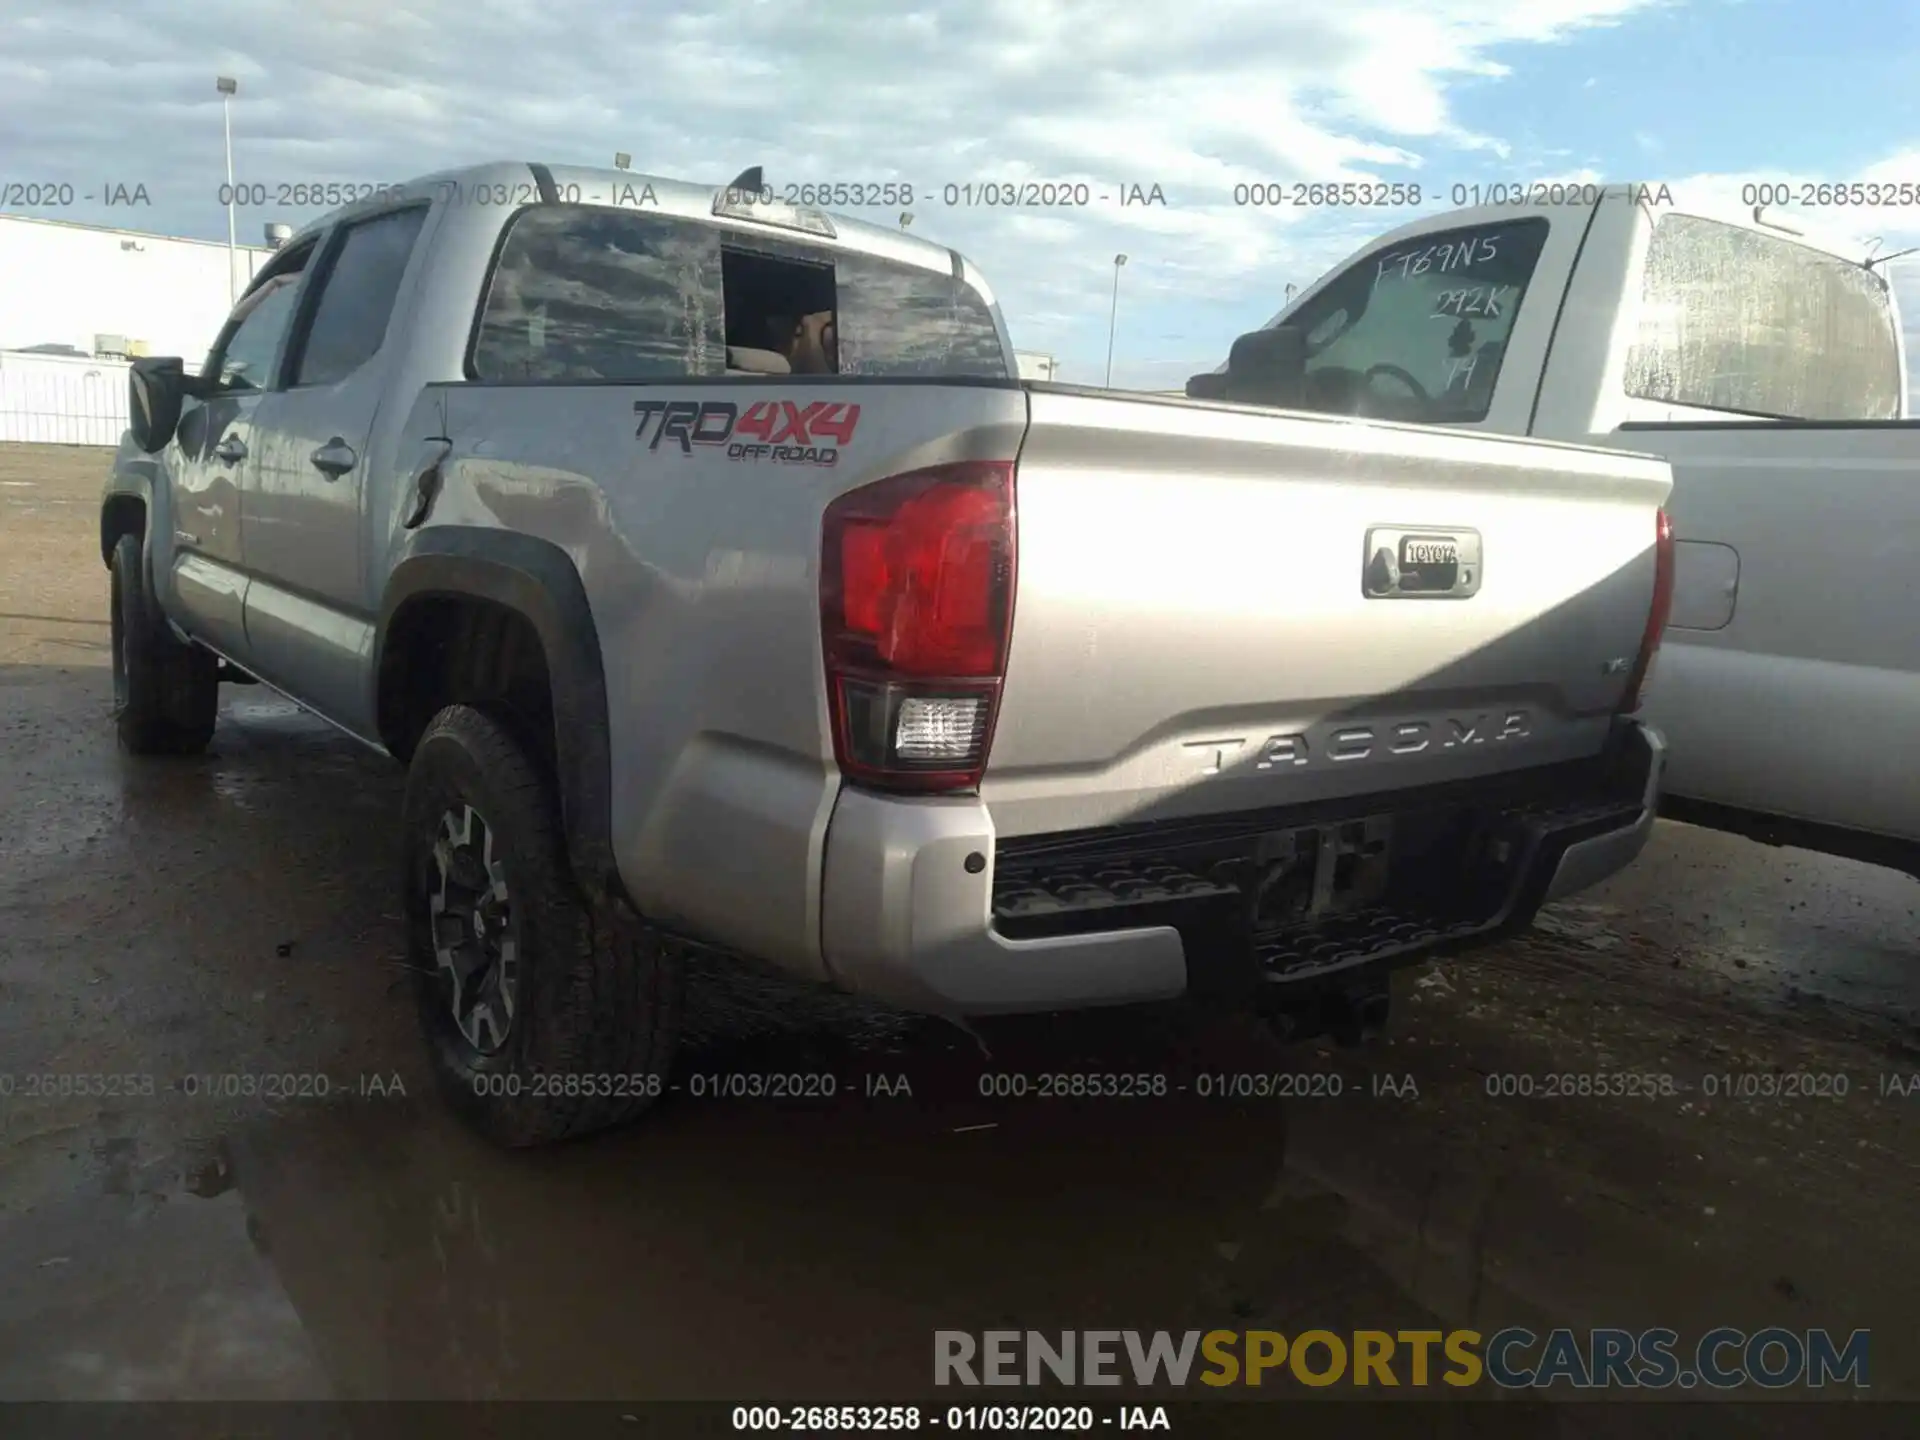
point(72, 285)
point(1032, 365)
point(77, 301)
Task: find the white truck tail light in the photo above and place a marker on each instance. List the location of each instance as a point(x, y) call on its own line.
point(916, 609)
point(1657, 615)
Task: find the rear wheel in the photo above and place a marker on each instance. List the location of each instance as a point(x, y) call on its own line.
point(546, 1016)
point(166, 694)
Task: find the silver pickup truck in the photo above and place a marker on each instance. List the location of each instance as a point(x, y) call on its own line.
point(722, 587)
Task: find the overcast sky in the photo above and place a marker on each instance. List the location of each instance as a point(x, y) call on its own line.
point(1194, 96)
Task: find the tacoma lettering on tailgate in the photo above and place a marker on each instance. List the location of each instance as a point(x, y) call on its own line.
point(1367, 742)
point(787, 432)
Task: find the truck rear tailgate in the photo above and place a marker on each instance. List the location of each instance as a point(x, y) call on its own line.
point(1194, 631)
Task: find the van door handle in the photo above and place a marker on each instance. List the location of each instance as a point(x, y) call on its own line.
point(335, 458)
point(232, 450)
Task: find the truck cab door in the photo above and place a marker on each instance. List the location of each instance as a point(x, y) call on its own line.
point(211, 453)
point(309, 619)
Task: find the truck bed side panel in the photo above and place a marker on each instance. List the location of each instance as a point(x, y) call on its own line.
point(702, 574)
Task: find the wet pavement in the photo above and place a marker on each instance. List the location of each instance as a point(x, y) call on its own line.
point(167, 925)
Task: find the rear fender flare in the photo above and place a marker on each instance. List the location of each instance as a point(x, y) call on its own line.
point(538, 580)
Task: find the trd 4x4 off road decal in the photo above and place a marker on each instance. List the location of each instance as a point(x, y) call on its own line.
point(788, 432)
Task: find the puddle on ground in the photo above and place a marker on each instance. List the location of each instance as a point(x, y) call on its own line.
point(142, 1280)
point(373, 1249)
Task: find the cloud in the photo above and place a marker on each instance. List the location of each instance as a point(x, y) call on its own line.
point(1196, 96)
point(1852, 211)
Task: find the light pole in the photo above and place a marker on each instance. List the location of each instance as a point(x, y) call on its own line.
point(228, 88)
point(1113, 314)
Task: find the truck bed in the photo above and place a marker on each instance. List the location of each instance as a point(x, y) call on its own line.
point(1190, 635)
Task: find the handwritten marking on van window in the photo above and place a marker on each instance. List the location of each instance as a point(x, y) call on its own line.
point(1479, 301)
point(1443, 257)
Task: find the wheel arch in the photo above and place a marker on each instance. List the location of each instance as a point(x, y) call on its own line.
point(536, 581)
point(127, 508)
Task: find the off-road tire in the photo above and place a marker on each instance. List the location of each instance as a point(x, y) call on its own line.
point(598, 996)
point(166, 694)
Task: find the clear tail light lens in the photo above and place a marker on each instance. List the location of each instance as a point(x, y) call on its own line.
point(916, 609)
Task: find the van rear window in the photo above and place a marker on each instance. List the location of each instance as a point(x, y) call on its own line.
point(592, 293)
point(902, 320)
point(1735, 320)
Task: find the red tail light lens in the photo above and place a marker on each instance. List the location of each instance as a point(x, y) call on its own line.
point(916, 608)
point(1657, 616)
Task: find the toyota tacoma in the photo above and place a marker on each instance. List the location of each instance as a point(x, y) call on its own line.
point(724, 590)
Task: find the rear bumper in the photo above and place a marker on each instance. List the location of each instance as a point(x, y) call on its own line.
point(921, 905)
point(1587, 862)
point(904, 918)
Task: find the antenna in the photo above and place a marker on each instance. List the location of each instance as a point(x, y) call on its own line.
point(749, 181)
point(1873, 260)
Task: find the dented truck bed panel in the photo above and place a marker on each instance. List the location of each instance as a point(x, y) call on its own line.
point(700, 558)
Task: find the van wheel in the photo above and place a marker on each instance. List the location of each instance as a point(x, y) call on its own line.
point(166, 694)
point(546, 1016)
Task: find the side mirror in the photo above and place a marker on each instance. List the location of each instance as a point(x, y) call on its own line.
point(155, 389)
point(1268, 367)
point(1265, 367)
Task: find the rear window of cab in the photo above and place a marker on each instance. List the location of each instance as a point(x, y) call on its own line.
point(583, 292)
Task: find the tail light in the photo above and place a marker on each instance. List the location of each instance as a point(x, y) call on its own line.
point(916, 607)
point(1656, 617)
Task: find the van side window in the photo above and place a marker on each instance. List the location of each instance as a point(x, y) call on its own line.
point(1754, 324)
point(591, 293)
point(1417, 331)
